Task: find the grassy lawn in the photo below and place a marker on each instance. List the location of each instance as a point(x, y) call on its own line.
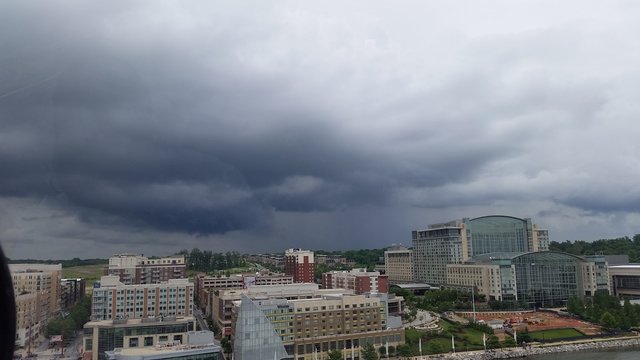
point(555, 334)
point(465, 338)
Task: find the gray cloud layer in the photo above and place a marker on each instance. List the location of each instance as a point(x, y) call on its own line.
point(255, 126)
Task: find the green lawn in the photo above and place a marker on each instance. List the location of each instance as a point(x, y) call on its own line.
point(465, 338)
point(556, 334)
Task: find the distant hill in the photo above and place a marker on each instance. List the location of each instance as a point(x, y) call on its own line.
point(623, 245)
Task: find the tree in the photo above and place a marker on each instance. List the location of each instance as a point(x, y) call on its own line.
point(509, 342)
point(369, 352)
point(226, 345)
point(493, 342)
point(608, 321)
point(334, 355)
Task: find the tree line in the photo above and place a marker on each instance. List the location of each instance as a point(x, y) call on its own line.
point(606, 310)
point(208, 260)
point(622, 245)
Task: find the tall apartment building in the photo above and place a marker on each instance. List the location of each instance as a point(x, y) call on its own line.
point(37, 291)
point(137, 269)
point(31, 278)
point(545, 278)
point(359, 280)
point(457, 241)
point(299, 264)
point(309, 328)
point(115, 300)
point(398, 264)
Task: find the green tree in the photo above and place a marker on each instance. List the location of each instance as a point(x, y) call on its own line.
point(493, 342)
point(608, 321)
point(369, 352)
point(509, 342)
point(226, 345)
point(334, 355)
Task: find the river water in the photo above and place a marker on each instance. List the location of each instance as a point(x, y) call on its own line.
point(613, 354)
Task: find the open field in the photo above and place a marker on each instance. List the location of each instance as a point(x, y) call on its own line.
point(90, 273)
point(555, 334)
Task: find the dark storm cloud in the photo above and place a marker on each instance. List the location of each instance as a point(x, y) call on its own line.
point(155, 120)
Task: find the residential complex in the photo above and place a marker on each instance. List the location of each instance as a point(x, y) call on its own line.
point(457, 241)
point(398, 264)
point(544, 278)
point(359, 280)
point(137, 269)
point(114, 300)
point(299, 264)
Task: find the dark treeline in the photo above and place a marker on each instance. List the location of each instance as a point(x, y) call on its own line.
point(623, 245)
point(606, 310)
point(207, 260)
point(364, 257)
point(65, 263)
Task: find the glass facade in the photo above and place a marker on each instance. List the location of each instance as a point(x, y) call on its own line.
point(255, 336)
point(491, 234)
point(547, 278)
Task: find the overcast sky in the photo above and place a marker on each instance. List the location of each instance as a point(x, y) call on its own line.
point(255, 126)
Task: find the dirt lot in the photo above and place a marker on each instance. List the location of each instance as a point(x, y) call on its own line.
point(539, 320)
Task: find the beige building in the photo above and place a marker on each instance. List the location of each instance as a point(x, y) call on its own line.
point(309, 328)
point(398, 265)
point(485, 278)
point(221, 302)
point(31, 278)
point(37, 295)
point(32, 316)
point(114, 300)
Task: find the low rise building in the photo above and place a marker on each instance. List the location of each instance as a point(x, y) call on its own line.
point(108, 335)
point(199, 345)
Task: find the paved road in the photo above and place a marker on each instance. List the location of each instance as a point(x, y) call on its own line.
point(200, 319)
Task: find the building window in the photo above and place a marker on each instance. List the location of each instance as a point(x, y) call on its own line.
point(133, 342)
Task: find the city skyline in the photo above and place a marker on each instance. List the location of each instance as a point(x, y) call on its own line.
point(153, 127)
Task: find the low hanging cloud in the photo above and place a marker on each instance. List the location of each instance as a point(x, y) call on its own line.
point(205, 125)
